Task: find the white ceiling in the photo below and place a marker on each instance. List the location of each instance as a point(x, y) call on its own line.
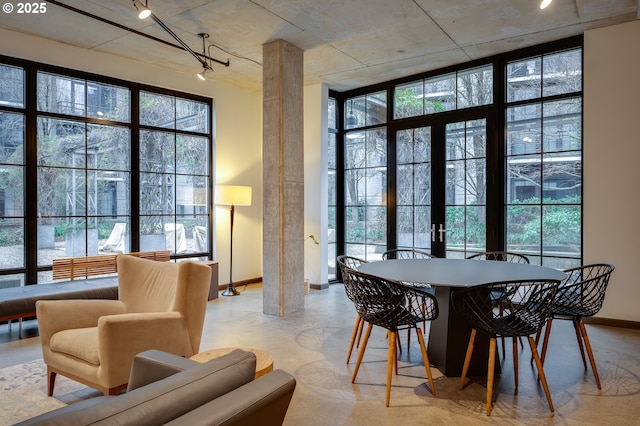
point(347, 43)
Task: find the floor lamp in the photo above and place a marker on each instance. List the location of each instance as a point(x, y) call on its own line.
point(232, 195)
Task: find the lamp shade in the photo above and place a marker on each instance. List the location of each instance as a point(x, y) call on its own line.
point(233, 195)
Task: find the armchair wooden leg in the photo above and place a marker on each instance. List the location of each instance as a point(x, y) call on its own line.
point(541, 376)
point(491, 373)
point(467, 358)
point(592, 360)
point(391, 362)
point(51, 380)
point(425, 359)
point(361, 352)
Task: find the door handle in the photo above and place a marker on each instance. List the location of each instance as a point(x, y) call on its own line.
point(433, 232)
point(441, 230)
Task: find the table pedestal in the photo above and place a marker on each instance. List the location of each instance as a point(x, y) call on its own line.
point(449, 338)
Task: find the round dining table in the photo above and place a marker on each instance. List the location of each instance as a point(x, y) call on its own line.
point(449, 333)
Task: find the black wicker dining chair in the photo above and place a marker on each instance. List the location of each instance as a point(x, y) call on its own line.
point(530, 303)
point(349, 262)
point(504, 256)
point(406, 254)
point(391, 305)
point(580, 296)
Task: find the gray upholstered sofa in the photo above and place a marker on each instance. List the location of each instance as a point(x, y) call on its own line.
point(167, 389)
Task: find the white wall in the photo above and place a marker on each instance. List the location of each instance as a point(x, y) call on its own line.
point(315, 182)
point(611, 154)
point(238, 135)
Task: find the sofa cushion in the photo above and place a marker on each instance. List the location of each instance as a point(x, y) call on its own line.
point(162, 401)
point(262, 402)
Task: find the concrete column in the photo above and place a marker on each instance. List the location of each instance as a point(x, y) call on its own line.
point(283, 179)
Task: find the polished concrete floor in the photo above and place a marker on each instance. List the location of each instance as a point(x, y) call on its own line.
point(312, 345)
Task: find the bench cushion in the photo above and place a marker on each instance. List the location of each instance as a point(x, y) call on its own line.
point(15, 302)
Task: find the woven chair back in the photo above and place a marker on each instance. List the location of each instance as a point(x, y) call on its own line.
point(527, 306)
point(582, 293)
point(387, 303)
point(504, 256)
point(406, 254)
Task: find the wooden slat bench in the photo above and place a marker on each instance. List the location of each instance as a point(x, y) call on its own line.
point(20, 302)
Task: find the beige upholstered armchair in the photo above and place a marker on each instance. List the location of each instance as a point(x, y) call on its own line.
point(161, 306)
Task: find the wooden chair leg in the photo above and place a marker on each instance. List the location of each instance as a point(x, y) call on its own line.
point(501, 310)
point(391, 361)
point(399, 347)
point(424, 310)
point(356, 326)
point(541, 376)
point(490, 373)
point(425, 359)
point(51, 380)
point(515, 360)
point(538, 334)
point(467, 358)
point(545, 340)
point(361, 352)
point(360, 330)
point(592, 360)
point(537, 340)
point(578, 329)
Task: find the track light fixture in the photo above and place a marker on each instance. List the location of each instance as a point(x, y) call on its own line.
point(205, 61)
point(143, 11)
point(206, 68)
point(202, 75)
point(545, 3)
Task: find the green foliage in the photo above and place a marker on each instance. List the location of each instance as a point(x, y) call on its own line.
point(104, 230)
point(561, 224)
point(10, 236)
point(458, 233)
point(355, 233)
point(561, 221)
point(61, 229)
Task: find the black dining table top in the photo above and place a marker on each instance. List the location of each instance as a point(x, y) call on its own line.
point(458, 272)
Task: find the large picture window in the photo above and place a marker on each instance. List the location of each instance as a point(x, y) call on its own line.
point(101, 178)
point(458, 184)
point(12, 174)
point(173, 174)
point(544, 158)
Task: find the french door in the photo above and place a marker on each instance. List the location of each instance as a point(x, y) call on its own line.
point(441, 188)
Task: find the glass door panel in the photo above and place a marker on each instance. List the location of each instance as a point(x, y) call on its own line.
point(413, 188)
point(465, 229)
point(366, 193)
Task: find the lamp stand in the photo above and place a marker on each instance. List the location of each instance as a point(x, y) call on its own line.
point(231, 290)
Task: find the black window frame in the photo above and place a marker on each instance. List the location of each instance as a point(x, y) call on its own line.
point(31, 113)
point(496, 154)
